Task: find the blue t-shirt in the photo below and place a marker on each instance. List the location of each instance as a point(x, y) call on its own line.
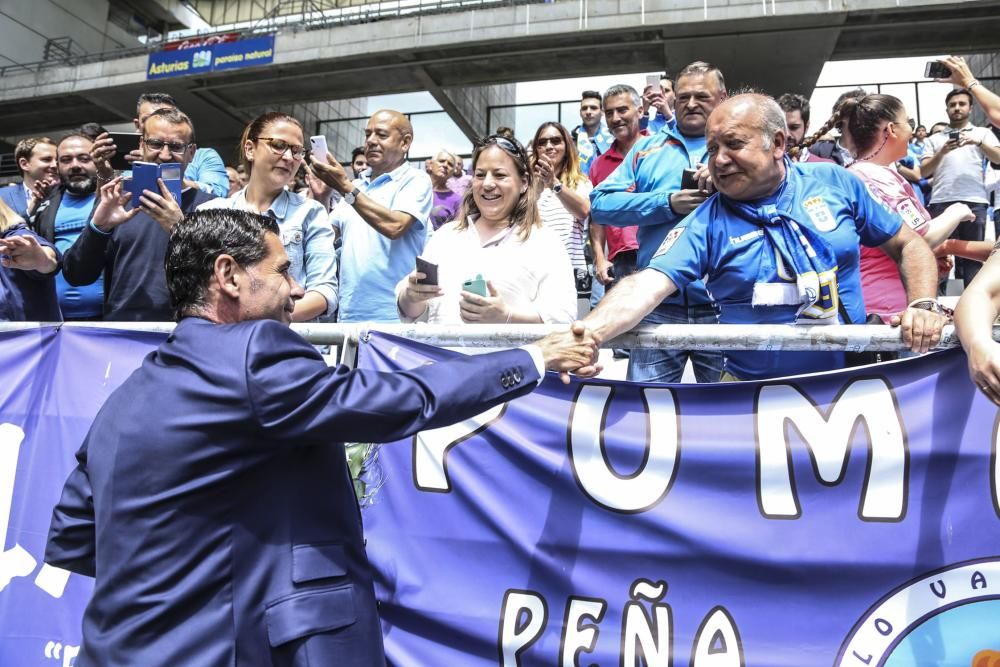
point(76, 302)
point(734, 254)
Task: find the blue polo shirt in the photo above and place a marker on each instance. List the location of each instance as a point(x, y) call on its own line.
point(734, 254)
point(88, 300)
point(370, 263)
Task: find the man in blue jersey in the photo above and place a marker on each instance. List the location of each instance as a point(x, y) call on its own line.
point(778, 243)
point(645, 190)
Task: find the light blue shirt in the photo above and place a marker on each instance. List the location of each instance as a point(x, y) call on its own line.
point(209, 171)
point(306, 235)
point(371, 264)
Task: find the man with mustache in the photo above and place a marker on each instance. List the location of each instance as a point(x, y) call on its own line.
point(646, 190)
point(383, 218)
point(62, 216)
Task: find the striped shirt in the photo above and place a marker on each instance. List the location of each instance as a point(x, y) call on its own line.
point(572, 231)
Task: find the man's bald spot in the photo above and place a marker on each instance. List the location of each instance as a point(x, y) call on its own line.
point(759, 111)
point(396, 120)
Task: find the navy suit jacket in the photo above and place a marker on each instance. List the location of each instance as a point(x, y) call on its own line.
point(14, 196)
point(213, 504)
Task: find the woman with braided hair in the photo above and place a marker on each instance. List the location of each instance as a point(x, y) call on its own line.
point(878, 129)
point(823, 146)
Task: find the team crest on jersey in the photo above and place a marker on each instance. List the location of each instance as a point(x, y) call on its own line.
point(820, 214)
point(669, 241)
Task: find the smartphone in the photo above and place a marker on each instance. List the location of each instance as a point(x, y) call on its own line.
point(429, 269)
point(935, 69)
point(653, 81)
point(476, 285)
point(125, 143)
point(144, 175)
point(954, 135)
point(688, 180)
point(317, 145)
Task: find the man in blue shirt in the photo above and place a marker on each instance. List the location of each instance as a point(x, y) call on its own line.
point(383, 219)
point(777, 244)
point(646, 191)
point(63, 215)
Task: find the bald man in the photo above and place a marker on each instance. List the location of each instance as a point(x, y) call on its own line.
point(778, 243)
point(383, 219)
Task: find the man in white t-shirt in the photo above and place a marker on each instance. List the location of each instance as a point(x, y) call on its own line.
point(957, 160)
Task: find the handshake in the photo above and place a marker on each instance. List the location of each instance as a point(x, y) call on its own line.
point(574, 350)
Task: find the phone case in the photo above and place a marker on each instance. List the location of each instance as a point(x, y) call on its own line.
point(476, 285)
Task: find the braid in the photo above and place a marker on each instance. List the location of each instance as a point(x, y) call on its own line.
point(831, 123)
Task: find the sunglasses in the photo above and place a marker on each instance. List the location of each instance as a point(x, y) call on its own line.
point(512, 148)
point(280, 147)
point(545, 141)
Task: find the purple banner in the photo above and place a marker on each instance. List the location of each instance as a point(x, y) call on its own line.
point(847, 519)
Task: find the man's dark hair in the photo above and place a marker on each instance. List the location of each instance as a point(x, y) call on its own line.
point(155, 98)
point(25, 148)
point(173, 116)
point(958, 91)
point(360, 150)
point(197, 241)
point(92, 130)
point(76, 134)
point(590, 94)
point(795, 102)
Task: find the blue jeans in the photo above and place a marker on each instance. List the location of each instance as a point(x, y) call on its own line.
point(649, 365)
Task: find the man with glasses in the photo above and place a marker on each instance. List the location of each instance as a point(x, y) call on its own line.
point(127, 245)
point(205, 170)
point(383, 218)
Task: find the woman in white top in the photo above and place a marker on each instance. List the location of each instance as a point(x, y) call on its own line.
point(497, 234)
point(271, 151)
point(563, 190)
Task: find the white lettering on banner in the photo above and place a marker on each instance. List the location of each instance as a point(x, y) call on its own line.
point(64, 652)
point(717, 642)
point(646, 635)
point(577, 639)
point(16, 562)
point(648, 485)
point(430, 449)
point(643, 638)
point(867, 401)
point(517, 636)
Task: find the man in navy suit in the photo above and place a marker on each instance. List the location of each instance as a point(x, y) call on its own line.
point(36, 159)
point(212, 499)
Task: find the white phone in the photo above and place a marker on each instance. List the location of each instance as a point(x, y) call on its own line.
point(653, 81)
point(317, 145)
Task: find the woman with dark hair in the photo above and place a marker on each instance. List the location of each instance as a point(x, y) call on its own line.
point(271, 152)
point(28, 265)
point(563, 190)
point(497, 234)
point(879, 131)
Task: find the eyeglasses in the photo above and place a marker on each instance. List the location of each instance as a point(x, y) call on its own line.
point(280, 147)
point(157, 145)
point(511, 147)
point(545, 141)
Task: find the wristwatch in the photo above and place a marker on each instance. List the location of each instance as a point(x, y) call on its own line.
point(931, 305)
point(557, 188)
point(351, 196)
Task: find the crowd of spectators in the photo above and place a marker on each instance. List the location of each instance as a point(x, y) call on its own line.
point(687, 203)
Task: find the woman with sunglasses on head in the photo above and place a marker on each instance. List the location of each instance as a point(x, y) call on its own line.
point(499, 235)
point(879, 132)
point(271, 152)
point(563, 192)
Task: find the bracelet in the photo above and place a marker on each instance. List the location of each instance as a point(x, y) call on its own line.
point(972, 85)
